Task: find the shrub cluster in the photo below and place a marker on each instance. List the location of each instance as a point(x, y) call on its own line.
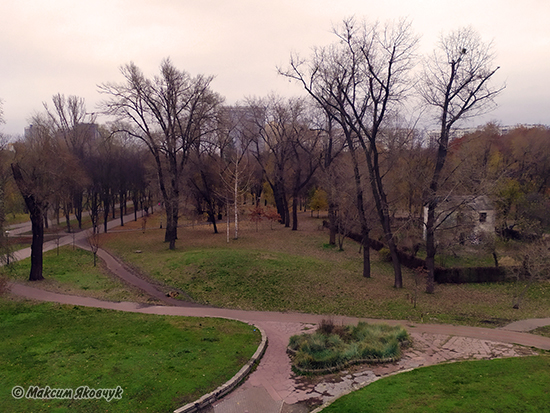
point(333, 347)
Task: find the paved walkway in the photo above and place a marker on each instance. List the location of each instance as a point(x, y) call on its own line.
point(272, 387)
point(65, 239)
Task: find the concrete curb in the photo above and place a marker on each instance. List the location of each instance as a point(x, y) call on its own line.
point(229, 386)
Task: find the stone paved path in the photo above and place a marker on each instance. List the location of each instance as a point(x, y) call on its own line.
point(272, 387)
point(274, 373)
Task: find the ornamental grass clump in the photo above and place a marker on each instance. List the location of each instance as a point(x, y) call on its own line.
point(333, 347)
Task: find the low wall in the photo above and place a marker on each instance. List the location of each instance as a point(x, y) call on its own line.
point(459, 275)
point(467, 275)
point(227, 387)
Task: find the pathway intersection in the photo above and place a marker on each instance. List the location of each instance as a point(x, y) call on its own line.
point(272, 387)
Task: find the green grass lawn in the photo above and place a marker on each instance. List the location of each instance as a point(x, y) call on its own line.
point(16, 218)
point(283, 270)
point(160, 362)
point(504, 385)
point(454, 255)
point(72, 272)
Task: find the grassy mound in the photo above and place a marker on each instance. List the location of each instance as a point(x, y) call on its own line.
point(334, 347)
point(283, 270)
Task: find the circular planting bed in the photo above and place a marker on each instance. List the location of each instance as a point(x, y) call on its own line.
point(334, 347)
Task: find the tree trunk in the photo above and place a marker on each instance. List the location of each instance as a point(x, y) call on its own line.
point(295, 213)
point(236, 197)
point(430, 248)
point(36, 209)
point(212, 217)
point(398, 277)
point(168, 211)
point(381, 202)
point(286, 211)
point(227, 216)
point(279, 202)
point(171, 233)
point(37, 224)
point(77, 203)
point(432, 204)
point(366, 252)
point(121, 204)
point(94, 208)
point(135, 201)
point(361, 210)
point(332, 223)
point(495, 258)
point(114, 205)
point(105, 213)
point(68, 218)
point(214, 224)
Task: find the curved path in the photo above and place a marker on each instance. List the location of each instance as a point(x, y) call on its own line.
point(272, 387)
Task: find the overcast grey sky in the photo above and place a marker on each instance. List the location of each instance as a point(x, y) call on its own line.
point(71, 46)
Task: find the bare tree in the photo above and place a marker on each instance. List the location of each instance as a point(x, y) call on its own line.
point(40, 167)
point(236, 132)
point(276, 121)
point(287, 148)
point(93, 242)
point(169, 113)
point(306, 159)
point(77, 128)
point(360, 81)
point(333, 144)
point(456, 83)
point(204, 180)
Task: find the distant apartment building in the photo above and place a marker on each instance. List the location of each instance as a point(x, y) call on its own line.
point(82, 136)
point(243, 124)
point(432, 135)
point(90, 130)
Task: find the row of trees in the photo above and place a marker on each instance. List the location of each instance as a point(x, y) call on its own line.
point(354, 138)
point(67, 164)
point(362, 82)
